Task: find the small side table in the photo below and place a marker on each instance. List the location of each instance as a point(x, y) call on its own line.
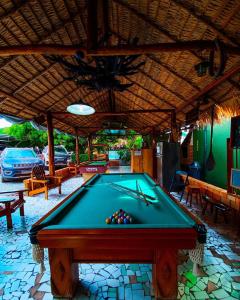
point(7, 202)
point(11, 203)
point(192, 189)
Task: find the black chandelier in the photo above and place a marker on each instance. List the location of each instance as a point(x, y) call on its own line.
point(102, 73)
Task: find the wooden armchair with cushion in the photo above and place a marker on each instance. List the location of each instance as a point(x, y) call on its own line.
point(40, 182)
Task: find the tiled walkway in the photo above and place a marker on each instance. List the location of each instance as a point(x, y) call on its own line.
point(20, 277)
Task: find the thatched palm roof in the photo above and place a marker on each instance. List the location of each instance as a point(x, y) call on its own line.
point(32, 84)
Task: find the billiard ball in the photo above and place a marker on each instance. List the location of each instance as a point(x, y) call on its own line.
point(108, 220)
point(113, 220)
point(126, 221)
point(130, 220)
point(120, 221)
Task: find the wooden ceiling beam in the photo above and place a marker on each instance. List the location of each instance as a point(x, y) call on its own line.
point(153, 24)
point(43, 37)
point(120, 113)
point(219, 31)
point(124, 101)
point(209, 87)
point(161, 47)
point(215, 83)
point(68, 50)
point(28, 106)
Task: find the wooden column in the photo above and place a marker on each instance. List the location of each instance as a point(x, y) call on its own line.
point(173, 137)
point(229, 165)
point(154, 151)
point(89, 146)
point(77, 147)
point(92, 24)
point(50, 144)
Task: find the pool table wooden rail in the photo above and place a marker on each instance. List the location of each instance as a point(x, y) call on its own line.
point(67, 248)
point(156, 246)
point(159, 246)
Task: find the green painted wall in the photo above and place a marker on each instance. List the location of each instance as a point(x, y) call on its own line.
point(218, 176)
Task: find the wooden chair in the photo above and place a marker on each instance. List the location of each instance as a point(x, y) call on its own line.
point(178, 184)
point(215, 206)
point(40, 182)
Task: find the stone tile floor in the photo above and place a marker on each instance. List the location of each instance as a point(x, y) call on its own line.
point(20, 277)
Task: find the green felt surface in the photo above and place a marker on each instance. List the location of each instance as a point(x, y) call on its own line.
point(97, 163)
point(93, 203)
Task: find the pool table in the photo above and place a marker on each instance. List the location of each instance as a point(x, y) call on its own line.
point(75, 231)
point(93, 167)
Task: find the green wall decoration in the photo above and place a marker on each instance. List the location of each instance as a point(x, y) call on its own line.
point(201, 147)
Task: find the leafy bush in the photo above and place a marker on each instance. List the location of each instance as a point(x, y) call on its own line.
point(124, 154)
point(82, 157)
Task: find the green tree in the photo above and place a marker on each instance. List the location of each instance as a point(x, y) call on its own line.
point(27, 136)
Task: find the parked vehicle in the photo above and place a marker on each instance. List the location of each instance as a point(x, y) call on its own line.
point(18, 163)
point(61, 156)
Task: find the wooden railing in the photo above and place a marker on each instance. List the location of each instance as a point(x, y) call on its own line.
point(216, 193)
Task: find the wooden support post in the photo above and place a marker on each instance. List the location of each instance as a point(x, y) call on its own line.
point(50, 144)
point(21, 198)
point(89, 147)
point(173, 127)
point(229, 165)
point(154, 151)
point(77, 147)
point(92, 24)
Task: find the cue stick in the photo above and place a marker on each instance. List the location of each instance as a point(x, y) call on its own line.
point(133, 191)
point(144, 197)
point(126, 191)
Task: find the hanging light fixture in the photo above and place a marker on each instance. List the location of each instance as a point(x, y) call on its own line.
point(80, 108)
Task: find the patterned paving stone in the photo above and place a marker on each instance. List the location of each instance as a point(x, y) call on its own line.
point(20, 278)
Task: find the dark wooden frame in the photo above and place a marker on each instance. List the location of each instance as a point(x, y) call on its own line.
point(235, 125)
point(157, 246)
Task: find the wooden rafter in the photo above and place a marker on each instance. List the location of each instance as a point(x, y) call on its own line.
point(212, 85)
point(39, 74)
point(28, 106)
point(43, 37)
point(204, 19)
point(152, 57)
point(13, 10)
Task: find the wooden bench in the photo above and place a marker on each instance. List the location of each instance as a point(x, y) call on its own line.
point(67, 172)
point(12, 200)
point(215, 207)
point(60, 176)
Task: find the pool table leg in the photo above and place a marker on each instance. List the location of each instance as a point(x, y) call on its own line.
point(64, 272)
point(165, 274)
